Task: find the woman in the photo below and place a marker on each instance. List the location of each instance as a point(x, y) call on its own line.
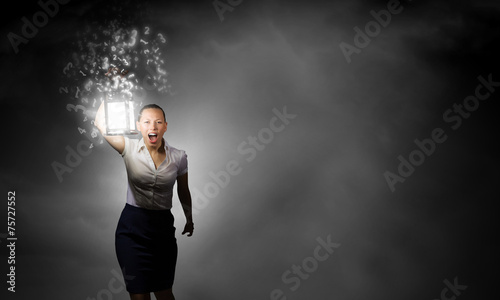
point(145, 241)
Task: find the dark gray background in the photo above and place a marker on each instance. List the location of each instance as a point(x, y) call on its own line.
point(322, 175)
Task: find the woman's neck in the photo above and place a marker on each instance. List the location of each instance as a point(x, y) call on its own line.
point(159, 149)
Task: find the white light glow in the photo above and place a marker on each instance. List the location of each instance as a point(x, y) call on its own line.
point(120, 118)
point(117, 116)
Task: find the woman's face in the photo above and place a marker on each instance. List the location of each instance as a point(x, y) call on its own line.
point(152, 127)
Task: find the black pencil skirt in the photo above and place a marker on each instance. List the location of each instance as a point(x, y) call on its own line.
point(146, 249)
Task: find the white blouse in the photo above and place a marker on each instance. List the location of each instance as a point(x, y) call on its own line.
point(150, 187)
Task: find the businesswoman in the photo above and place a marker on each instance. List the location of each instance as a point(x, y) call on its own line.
point(145, 241)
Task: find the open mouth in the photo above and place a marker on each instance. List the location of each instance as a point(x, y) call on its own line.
point(153, 137)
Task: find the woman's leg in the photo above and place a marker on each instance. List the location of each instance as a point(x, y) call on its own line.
point(140, 296)
point(164, 295)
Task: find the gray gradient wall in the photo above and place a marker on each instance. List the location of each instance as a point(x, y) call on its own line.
point(308, 211)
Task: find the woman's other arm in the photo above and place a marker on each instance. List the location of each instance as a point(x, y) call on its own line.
point(185, 198)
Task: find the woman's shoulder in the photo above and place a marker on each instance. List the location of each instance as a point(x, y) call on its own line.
point(175, 151)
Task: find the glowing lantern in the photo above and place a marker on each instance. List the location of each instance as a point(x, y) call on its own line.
point(119, 113)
